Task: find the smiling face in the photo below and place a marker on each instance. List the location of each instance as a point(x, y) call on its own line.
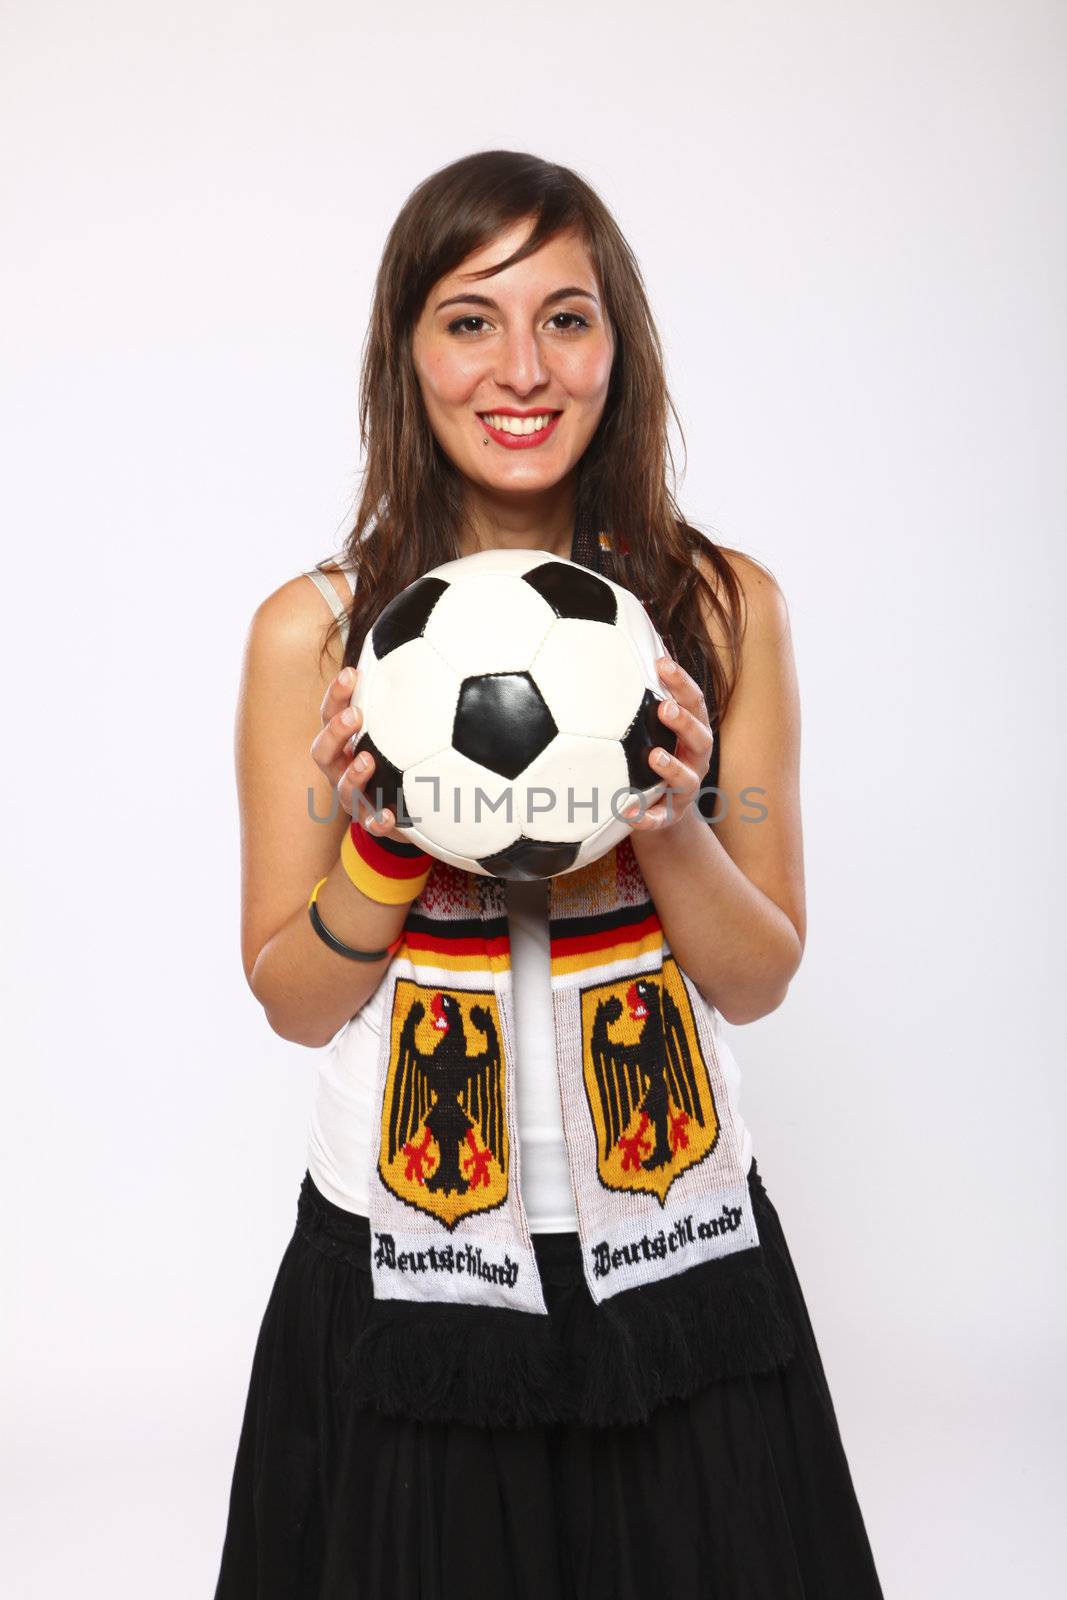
point(522, 358)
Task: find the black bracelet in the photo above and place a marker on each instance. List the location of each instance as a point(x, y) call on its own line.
point(337, 944)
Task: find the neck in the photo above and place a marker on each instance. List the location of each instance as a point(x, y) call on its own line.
point(542, 521)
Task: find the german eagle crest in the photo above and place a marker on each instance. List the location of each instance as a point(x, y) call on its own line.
point(646, 1081)
point(444, 1137)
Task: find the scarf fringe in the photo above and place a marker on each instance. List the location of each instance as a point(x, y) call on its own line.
point(598, 1366)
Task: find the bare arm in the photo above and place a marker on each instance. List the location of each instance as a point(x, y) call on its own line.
point(286, 704)
point(731, 895)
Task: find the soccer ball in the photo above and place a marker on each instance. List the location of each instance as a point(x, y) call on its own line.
point(509, 700)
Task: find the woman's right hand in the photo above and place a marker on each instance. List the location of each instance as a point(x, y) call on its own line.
point(331, 750)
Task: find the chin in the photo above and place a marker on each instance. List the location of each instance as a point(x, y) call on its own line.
point(526, 483)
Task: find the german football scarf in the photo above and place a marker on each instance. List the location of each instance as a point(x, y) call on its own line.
point(669, 1246)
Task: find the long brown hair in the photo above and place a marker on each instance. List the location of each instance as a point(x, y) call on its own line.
point(409, 515)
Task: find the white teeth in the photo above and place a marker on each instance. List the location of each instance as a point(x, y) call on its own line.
point(520, 425)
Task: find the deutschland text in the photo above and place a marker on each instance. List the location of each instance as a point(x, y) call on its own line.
point(657, 1246)
point(445, 1258)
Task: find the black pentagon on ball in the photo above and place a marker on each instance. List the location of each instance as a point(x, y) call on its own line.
point(574, 591)
point(502, 722)
point(645, 732)
point(530, 858)
point(407, 614)
point(383, 788)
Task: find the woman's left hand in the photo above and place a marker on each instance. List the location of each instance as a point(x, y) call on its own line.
point(685, 713)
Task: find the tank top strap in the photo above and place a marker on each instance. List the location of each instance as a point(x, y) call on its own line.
point(329, 593)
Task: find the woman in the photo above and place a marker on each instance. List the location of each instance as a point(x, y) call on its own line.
point(506, 292)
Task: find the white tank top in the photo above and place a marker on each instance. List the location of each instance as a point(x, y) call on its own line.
point(342, 1120)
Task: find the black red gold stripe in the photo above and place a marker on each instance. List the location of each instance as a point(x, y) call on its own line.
point(462, 944)
point(391, 871)
point(600, 940)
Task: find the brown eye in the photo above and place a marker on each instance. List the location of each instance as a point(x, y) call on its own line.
point(459, 325)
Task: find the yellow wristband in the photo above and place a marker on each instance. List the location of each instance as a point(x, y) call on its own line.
point(390, 871)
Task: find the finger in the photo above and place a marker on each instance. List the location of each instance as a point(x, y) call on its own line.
point(653, 816)
point(363, 799)
point(339, 693)
point(693, 733)
point(352, 784)
point(675, 773)
point(381, 823)
point(336, 741)
point(683, 686)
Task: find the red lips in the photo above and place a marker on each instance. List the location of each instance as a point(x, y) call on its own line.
point(520, 441)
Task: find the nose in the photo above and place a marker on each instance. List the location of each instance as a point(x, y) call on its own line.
point(521, 364)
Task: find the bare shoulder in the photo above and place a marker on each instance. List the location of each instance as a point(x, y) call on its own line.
point(298, 604)
point(289, 627)
point(765, 613)
point(288, 664)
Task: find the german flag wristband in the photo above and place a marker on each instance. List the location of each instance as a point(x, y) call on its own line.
point(388, 870)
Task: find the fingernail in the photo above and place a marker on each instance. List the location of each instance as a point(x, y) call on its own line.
point(667, 664)
point(671, 709)
point(346, 677)
point(362, 761)
point(660, 758)
point(348, 716)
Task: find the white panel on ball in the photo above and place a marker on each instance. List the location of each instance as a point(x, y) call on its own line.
point(513, 562)
point(452, 858)
point(635, 624)
point(489, 623)
point(451, 815)
point(415, 679)
point(590, 678)
point(556, 789)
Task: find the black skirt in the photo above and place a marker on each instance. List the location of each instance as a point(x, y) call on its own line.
point(741, 1491)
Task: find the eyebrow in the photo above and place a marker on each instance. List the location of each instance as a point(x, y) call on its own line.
point(483, 300)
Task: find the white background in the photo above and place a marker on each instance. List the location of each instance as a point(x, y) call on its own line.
point(852, 233)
